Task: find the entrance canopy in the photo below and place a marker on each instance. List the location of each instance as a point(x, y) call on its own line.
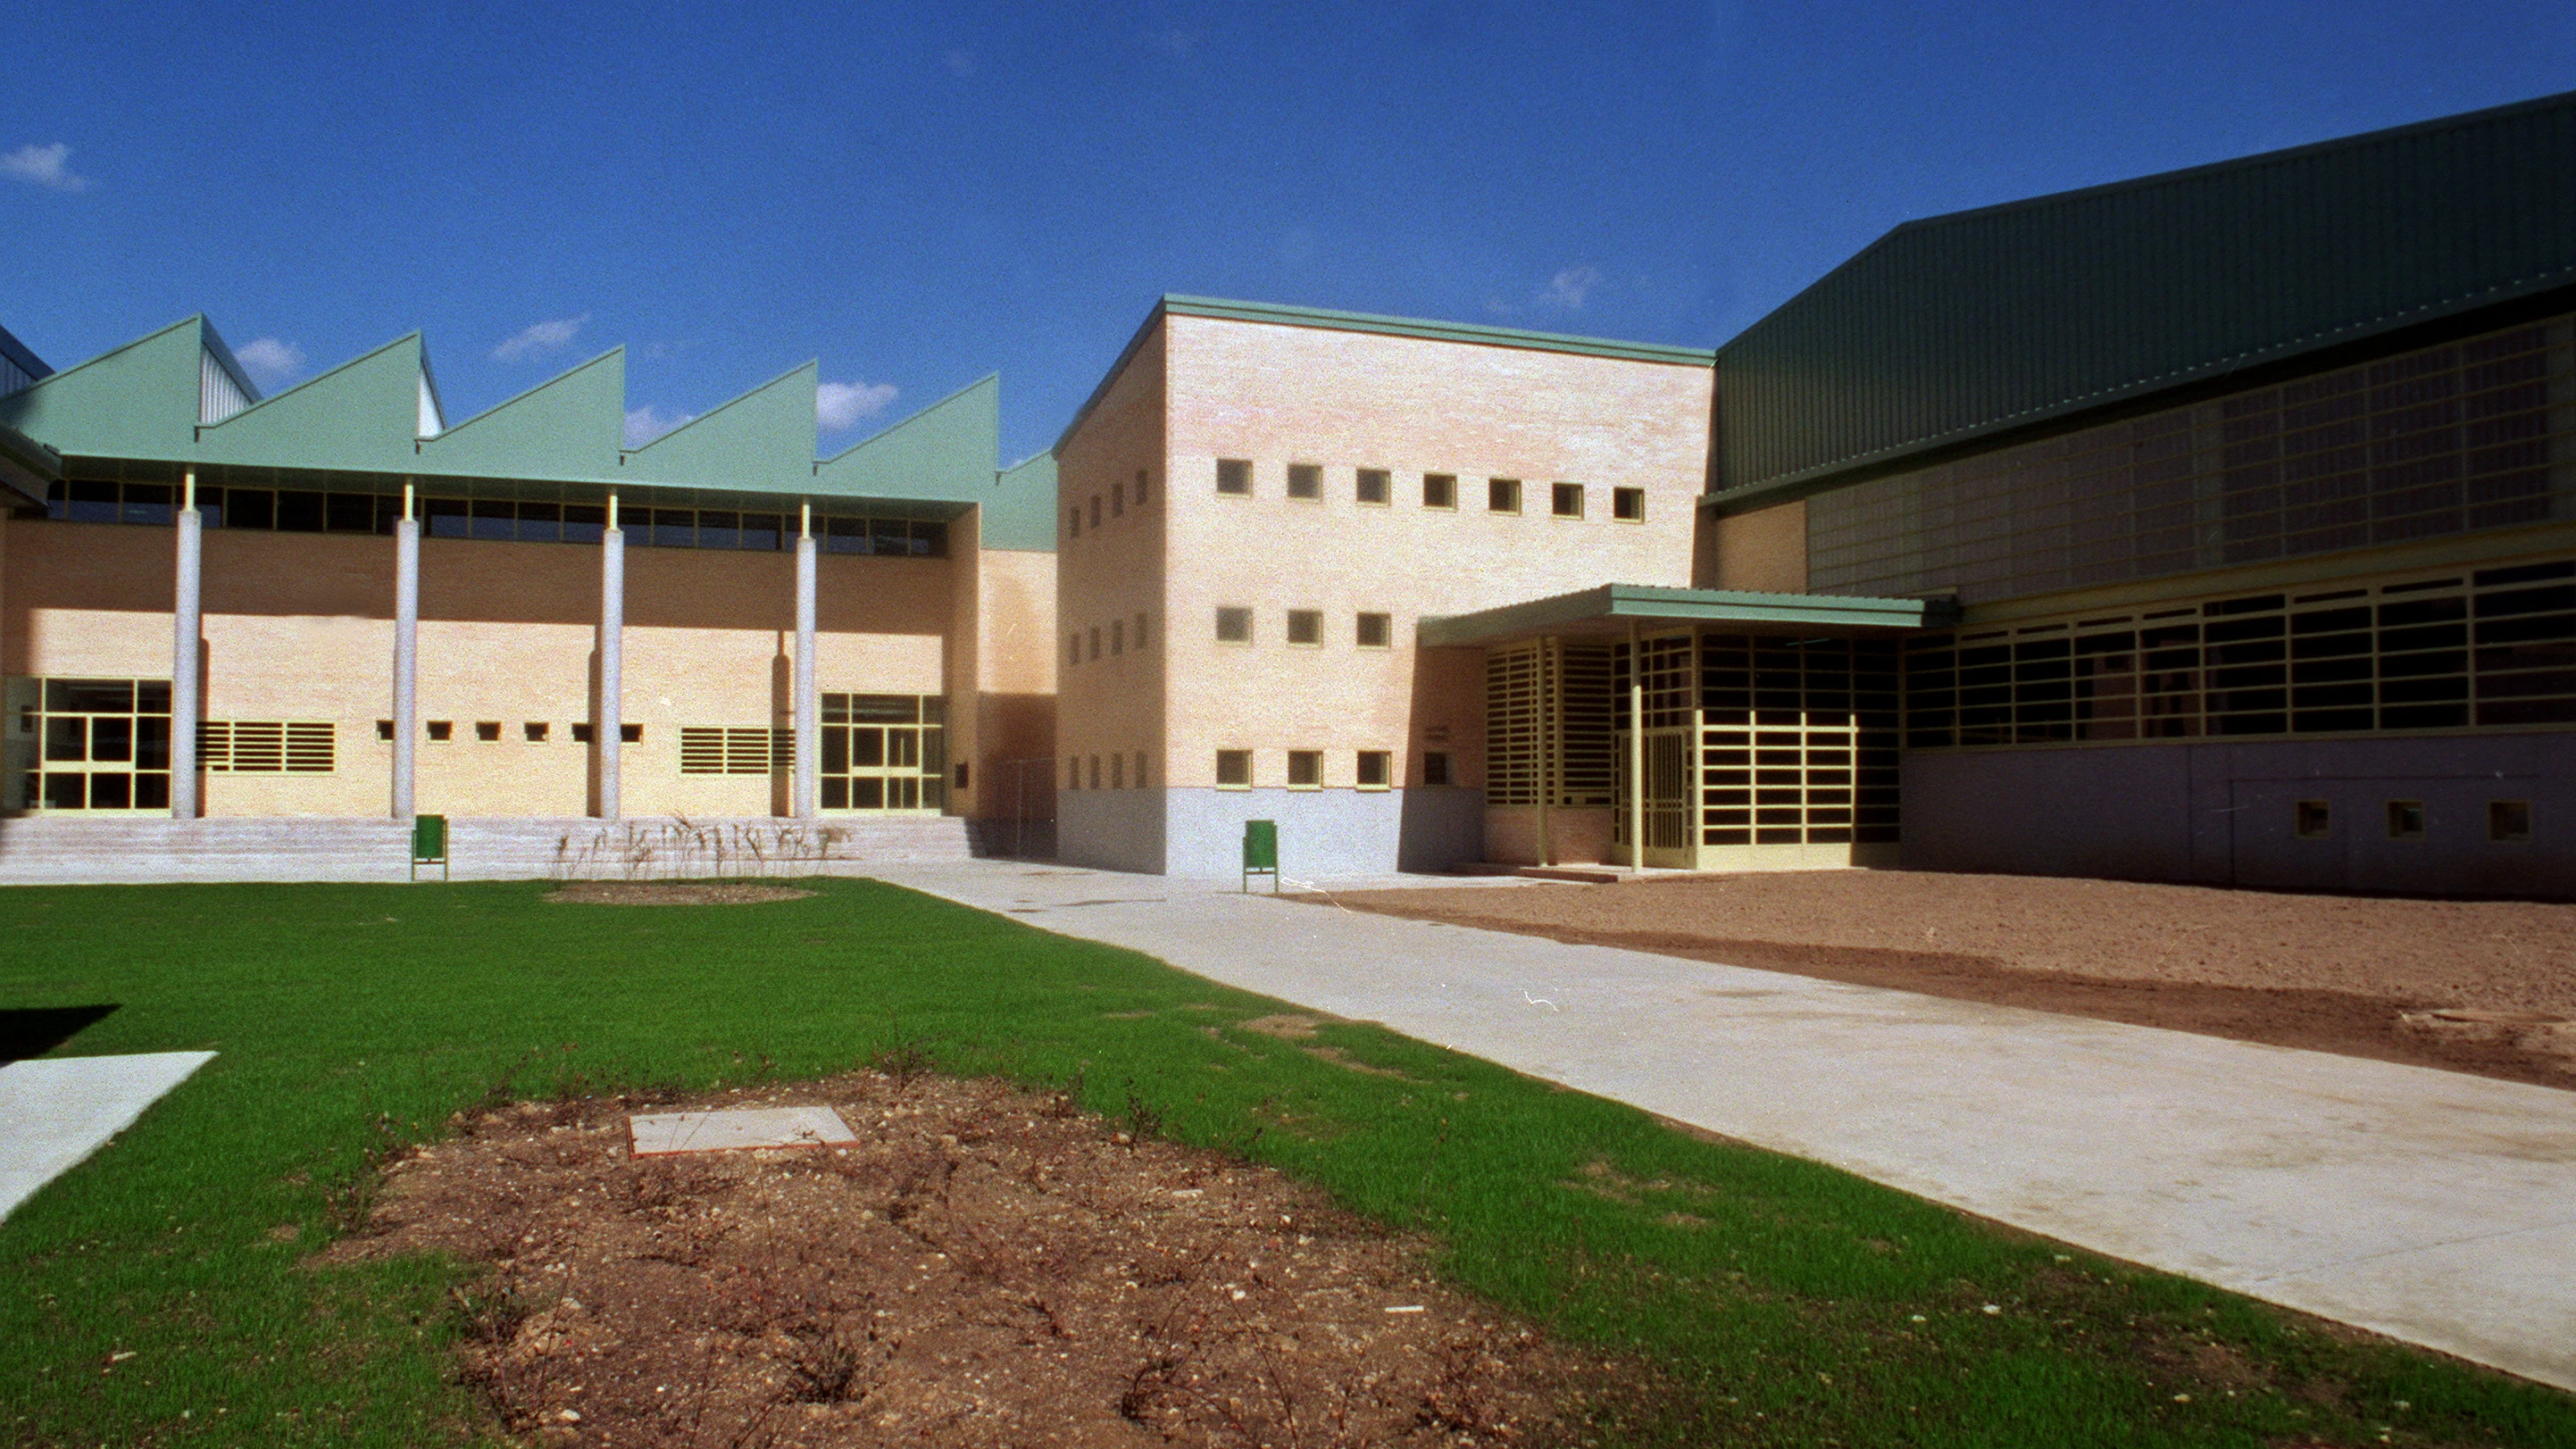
point(1612, 610)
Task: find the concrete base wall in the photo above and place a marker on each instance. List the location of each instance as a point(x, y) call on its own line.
point(1199, 832)
point(2224, 814)
point(1110, 829)
point(1576, 835)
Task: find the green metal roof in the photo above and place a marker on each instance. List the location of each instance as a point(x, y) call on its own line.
point(1999, 320)
point(1279, 314)
point(145, 403)
point(1611, 608)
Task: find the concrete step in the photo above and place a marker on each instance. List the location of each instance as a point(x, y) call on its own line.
point(52, 850)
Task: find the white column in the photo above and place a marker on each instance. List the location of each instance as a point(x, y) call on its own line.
point(406, 653)
point(184, 703)
point(809, 725)
point(1636, 752)
point(608, 722)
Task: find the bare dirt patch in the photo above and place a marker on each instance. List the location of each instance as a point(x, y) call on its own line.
point(983, 1267)
point(2476, 986)
point(670, 893)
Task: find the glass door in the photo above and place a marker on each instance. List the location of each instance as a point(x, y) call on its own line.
point(87, 745)
point(885, 753)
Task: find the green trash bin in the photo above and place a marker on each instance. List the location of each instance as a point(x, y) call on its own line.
point(429, 844)
point(1261, 853)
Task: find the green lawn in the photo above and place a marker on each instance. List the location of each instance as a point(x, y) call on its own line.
point(1786, 1302)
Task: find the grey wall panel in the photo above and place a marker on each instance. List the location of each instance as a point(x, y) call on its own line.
point(2225, 814)
point(1110, 829)
point(1326, 832)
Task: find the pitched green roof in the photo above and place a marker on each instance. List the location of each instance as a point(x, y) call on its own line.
point(1964, 326)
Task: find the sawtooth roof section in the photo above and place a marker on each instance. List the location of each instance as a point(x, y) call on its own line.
point(1025, 517)
point(762, 441)
point(568, 428)
point(136, 401)
point(1994, 321)
point(359, 417)
point(945, 452)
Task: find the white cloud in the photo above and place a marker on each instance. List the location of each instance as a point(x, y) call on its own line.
point(271, 361)
point(644, 424)
point(43, 165)
point(839, 405)
point(1566, 290)
point(960, 62)
point(541, 338)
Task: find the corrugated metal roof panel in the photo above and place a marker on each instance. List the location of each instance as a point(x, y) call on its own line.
point(1989, 320)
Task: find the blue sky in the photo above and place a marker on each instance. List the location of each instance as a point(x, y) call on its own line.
point(919, 196)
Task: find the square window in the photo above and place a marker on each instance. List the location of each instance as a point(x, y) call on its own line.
point(1305, 626)
point(1565, 500)
point(630, 734)
point(1234, 475)
point(1233, 624)
point(1375, 630)
point(384, 729)
point(442, 730)
point(1374, 486)
point(582, 734)
point(487, 731)
point(2508, 820)
point(1373, 769)
point(1305, 769)
point(1234, 769)
point(1502, 495)
point(2314, 820)
point(535, 731)
point(1435, 768)
point(1439, 490)
point(1628, 505)
point(1305, 480)
point(2405, 819)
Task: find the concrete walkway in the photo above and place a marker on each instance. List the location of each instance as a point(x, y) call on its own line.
point(2430, 1206)
point(55, 1111)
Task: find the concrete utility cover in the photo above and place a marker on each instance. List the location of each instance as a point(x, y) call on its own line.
point(670, 1132)
point(54, 1111)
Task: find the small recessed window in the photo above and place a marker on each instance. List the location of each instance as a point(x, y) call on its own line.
point(535, 731)
point(1140, 631)
point(441, 730)
point(384, 729)
point(1117, 502)
point(2313, 819)
point(1374, 486)
point(963, 775)
point(2405, 819)
point(1118, 637)
point(1140, 487)
point(487, 730)
point(1565, 500)
point(1628, 505)
point(1234, 475)
point(581, 734)
point(1140, 769)
point(1095, 510)
point(1073, 524)
point(1502, 495)
point(1233, 624)
point(630, 734)
point(1305, 480)
point(1095, 772)
point(1073, 648)
point(1435, 767)
point(1439, 490)
point(1305, 626)
point(1375, 630)
point(1234, 769)
point(1372, 769)
point(1305, 769)
point(1095, 641)
point(1118, 772)
point(2508, 820)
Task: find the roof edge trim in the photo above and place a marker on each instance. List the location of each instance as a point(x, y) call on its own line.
point(1282, 314)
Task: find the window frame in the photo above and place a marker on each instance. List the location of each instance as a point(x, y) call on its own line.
point(1224, 466)
point(1385, 479)
point(1309, 476)
point(1620, 509)
point(1313, 758)
point(1497, 489)
point(1448, 770)
point(1313, 620)
point(1385, 770)
point(2312, 819)
point(1448, 492)
point(2499, 812)
point(1241, 757)
point(2407, 821)
point(1360, 629)
point(1558, 493)
point(1238, 612)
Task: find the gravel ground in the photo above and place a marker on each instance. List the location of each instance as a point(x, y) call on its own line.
point(2482, 986)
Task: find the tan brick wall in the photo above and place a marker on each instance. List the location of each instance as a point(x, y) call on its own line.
point(1016, 668)
point(1279, 394)
point(299, 626)
point(1764, 551)
point(1111, 573)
